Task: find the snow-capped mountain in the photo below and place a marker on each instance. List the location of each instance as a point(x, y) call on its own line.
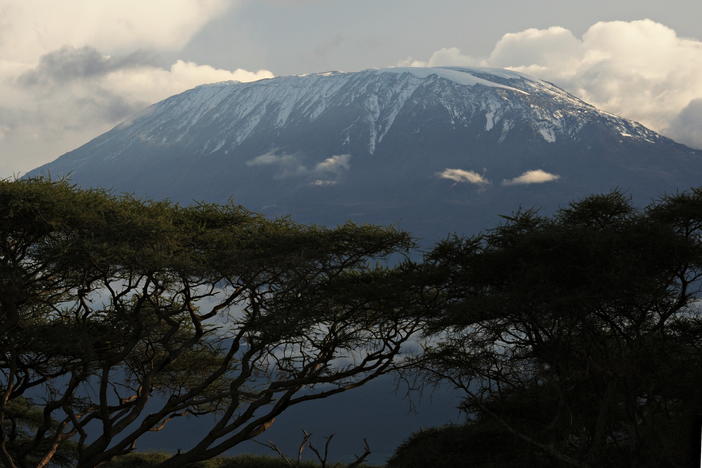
point(432, 150)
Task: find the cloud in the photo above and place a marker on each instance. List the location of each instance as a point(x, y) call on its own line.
point(135, 77)
point(82, 87)
point(150, 83)
point(544, 47)
point(288, 165)
point(70, 63)
point(323, 183)
point(270, 159)
point(687, 125)
point(532, 177)
point(72, 95)
point(641, 70)
point(335, 164)
point(462, 176)
point(32, 28)
point(449, 56)
point(71, 70)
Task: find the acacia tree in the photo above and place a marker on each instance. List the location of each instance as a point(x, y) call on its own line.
point(579, 335)
point(118, 315)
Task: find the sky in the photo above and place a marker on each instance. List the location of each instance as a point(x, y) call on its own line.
point(72, 69)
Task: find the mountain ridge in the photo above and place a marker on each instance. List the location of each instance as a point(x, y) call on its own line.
point(376, 145)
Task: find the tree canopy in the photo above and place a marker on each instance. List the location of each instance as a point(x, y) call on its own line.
point(579, 335)
point(118, 315)
point(576, 338)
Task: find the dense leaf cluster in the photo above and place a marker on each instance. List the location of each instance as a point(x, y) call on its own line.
point(118, 315)
point(577, 336)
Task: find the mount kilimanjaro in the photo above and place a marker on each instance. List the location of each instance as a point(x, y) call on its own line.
point(432, 150)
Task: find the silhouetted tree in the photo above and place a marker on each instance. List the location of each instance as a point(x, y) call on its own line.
point(578, 334)
point(118, 315)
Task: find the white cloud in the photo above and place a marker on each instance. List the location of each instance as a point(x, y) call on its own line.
point(150, 84)
point(270, 159)
point(43, 118)
point(71, 70)
point(31, 28)
point(687, 125)
point(448, 56)
point(335, 164)
point(641, 70)
point(285, 165)
point(460, 175)
point(288, 165)
point(532, 177)
point(554, 46)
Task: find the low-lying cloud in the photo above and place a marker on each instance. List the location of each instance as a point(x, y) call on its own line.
point(335, 164)
point(536, 176)
point(641, 70)
point(288, 165)
point(463, 176)
point(448, 56)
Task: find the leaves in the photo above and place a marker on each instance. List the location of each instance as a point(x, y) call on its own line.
point(569, 330)
point(112, 305)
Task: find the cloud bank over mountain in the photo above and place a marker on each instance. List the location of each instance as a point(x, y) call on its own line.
point(70, 70)
point(463, 176)
point(641, 70)
point(32, 28)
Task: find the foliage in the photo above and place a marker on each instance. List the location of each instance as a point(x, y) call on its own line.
point(144, 460)
point(477, 445)
point(578, 334)
point(118, 315)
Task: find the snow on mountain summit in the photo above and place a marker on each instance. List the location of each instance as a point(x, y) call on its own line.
point(415, 146)
point(499, 97)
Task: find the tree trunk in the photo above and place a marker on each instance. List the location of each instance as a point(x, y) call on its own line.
point(695, 455)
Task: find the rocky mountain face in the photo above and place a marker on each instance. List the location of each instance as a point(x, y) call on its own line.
point(432, 150)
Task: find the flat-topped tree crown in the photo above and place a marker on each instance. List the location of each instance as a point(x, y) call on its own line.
point(118, 315)
point(432, 150)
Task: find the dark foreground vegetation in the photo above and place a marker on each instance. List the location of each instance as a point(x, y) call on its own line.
point(576, 338)
point(147, 460)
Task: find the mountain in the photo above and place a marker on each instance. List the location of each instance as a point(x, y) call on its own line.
point(432, 150)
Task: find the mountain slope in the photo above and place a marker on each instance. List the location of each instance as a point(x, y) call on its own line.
point(431, 149)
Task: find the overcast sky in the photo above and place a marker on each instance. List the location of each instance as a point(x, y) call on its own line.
point(71, 69)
